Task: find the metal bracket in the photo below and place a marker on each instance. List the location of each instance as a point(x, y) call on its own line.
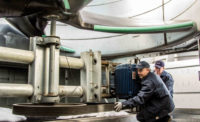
point(91, 76)
point(44, 41)
point(36, 72)
point(44, 71)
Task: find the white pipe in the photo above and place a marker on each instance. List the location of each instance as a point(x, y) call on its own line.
point(71, 91)
point(26, 57)
point(16, 55)
point(69, 62)
point(15, 90)
point(26, 90)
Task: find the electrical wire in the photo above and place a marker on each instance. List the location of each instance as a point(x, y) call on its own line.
point(69, 76)
point(150, 10)
point(184, 10)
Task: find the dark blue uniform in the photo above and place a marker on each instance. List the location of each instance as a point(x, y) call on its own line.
point(154, 99)
point(168, 80)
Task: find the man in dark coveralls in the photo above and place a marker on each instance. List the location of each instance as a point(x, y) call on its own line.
point(164, 75)
point(154, 99)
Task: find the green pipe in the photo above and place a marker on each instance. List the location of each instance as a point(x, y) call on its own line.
point(151, 29)
point(66, 3)
point(65, 49)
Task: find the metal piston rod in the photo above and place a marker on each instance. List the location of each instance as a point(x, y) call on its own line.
point(51, 66)
point(53, 83)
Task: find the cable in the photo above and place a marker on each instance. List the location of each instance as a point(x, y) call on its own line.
point(149, 10)
point(184, 10)
point(69, 76)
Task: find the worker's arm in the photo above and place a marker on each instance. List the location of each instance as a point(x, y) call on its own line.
point(143, 96)
point(169, 83)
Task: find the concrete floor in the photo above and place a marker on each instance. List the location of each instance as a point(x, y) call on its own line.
point(179, 115)
point(126, 118)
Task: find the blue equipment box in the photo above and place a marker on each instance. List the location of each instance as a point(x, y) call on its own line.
point(126, 80)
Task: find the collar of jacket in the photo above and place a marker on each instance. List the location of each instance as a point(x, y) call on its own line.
point(163, 73)
point(146, 76)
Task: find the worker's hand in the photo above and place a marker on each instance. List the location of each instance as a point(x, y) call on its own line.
point(118, 106)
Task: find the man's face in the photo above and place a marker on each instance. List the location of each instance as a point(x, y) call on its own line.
point(159, 71)
point(143, 72)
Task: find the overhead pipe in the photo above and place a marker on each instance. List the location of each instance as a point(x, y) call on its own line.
point(149, 29)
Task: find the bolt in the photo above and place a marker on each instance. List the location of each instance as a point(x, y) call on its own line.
point(92, 89)
point(95, 96)
point(40, 39)
point(96, 86)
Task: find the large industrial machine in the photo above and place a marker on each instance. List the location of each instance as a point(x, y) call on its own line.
point(43, 90)
point(45, 61)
